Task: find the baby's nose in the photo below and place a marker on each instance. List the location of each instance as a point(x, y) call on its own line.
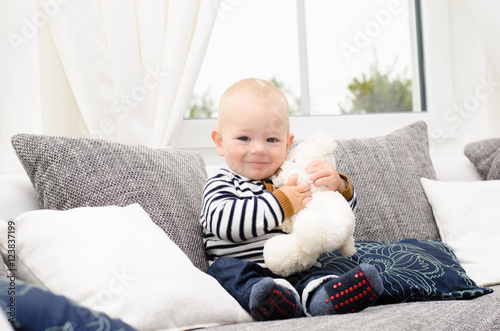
point(258, 148)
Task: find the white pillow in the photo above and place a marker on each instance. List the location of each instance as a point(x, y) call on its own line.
point(468, 218)
point(117, 261)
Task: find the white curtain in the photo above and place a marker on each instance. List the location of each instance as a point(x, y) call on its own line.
point(19, 78)
point(132, 64)
point(484, 17)
point(128, 66)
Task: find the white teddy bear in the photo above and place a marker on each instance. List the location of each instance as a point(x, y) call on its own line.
point(324, 225)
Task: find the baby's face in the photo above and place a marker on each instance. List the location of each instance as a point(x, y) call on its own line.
point(253, 137)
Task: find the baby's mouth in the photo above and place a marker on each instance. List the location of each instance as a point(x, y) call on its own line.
point(258, 163)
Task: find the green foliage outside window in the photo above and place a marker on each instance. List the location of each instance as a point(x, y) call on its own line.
point(205, 106)
point(378, 93)
point(202, 107)
point(373, 93)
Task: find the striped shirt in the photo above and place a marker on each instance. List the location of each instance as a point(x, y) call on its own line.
point(239, 215)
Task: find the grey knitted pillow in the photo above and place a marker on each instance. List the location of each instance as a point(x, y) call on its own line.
point(75, 172)
point(485, 155)
point(386, 172)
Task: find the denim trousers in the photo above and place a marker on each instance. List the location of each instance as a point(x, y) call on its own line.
point(237, 277)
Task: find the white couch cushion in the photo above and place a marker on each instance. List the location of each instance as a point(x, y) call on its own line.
point(117, 261)
point(468, 219)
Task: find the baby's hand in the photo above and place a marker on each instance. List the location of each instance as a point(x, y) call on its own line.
point(323, 173)
point(299, 195)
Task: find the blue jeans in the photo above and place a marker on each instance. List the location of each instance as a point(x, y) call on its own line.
point(237, 277)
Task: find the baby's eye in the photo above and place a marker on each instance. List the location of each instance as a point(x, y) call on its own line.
point(244, 138)
point(271, 140)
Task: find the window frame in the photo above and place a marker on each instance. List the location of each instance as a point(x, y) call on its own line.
point(418, 86)
point(194, 134)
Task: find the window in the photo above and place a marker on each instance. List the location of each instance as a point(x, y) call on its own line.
point(329, 57)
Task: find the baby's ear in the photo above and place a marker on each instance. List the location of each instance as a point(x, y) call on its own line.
point(289, 141)
point(217, 138)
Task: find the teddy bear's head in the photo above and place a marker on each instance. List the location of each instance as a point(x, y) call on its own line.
point(318, 146)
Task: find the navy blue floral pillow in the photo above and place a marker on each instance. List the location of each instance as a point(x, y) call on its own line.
point(29, 307)
point(411, 270)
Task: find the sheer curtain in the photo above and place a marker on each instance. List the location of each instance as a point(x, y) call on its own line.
point(132, 64)
point(130, 67)
point(19, 78)
point(484, 17)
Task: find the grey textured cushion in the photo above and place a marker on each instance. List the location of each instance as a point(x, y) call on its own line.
point(485, 155)
point(75, 172)
point(386, 172)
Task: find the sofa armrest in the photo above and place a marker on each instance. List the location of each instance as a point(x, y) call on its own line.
point(454, 168)
point(17, 195)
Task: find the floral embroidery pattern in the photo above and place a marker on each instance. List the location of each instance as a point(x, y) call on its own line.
point(411, 270)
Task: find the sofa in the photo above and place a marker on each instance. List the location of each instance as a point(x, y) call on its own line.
point(100, 235)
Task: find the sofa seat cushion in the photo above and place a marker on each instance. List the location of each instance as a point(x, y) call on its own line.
point(482, 313)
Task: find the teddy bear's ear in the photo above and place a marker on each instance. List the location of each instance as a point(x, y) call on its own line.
point(322, 138)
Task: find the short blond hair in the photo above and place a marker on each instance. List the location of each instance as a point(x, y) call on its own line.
point(257, 88)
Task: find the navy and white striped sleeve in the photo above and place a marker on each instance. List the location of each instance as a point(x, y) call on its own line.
point(235, 209)
point(349, 193)
point(353, 201)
